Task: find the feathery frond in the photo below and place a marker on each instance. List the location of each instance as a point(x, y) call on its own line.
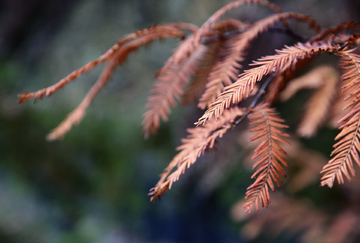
point(347, 149)
point(214, 85)
point(216, 36)
point(170, 87)
point(159, 105)
point(210, 57)
point(269, 165)
point(198, 141)
point(280, 81)
point(221, 74)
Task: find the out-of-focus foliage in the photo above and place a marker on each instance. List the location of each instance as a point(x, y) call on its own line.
point(92, 186)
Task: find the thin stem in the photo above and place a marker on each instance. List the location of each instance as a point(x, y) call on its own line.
point(255, 100)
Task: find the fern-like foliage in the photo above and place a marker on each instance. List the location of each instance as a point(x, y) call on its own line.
point(242, 88)
point(177, 71)
point(228, 69)
point(170, 86)
point(217, 48)
point(270, 161)
point(347, 149)
point(214, 84)
point(206, 68)
point(333, 32)
point(199, 140)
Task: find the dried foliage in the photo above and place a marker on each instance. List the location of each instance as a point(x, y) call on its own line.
point(270, 162)
point(170, 86)
point(347, 149)
point(206, 68)
point(228, 69)
point(324, 80)
point(294, 217)
point(199, 140)
point(243, 87)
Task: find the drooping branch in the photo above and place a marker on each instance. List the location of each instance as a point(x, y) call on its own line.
point(228, 69)
point(117, 58)
point(198, 141)
point(346, 151)
point(161, 31)
point(241, 89)
point(169, 87)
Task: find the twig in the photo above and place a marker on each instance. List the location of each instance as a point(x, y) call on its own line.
point(255, 100)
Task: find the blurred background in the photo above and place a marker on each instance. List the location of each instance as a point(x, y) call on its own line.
point(92, 186)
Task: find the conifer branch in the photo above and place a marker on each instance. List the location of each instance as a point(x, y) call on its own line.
point(241, 89)
point(228, 69)
point(210, 57)
point(204, 67)
point(199, 140)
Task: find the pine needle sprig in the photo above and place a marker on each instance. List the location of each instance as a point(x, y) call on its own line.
point(185, 51)
point(214, 84)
